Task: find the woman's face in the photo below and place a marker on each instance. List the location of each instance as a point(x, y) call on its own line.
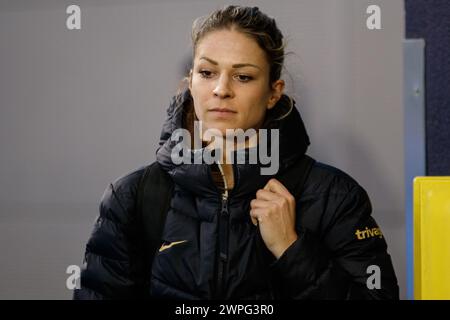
point(230, 82)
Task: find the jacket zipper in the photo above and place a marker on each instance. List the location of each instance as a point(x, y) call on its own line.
point(223, 227)
point(223, 246)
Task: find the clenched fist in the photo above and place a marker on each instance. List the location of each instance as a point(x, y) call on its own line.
point(274, 211)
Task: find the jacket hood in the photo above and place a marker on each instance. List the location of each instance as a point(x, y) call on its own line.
point(293, 143)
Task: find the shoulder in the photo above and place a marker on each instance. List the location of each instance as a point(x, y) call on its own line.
point(335, 197)
point(119, 197)
point(128, 183)
point(326, 179)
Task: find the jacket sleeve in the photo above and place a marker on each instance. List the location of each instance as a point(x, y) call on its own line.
point(350, 250)
point(112, 267)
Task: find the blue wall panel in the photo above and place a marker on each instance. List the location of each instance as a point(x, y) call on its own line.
point(430, 20)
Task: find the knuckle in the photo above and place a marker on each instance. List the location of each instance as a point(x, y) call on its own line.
point(291, 198)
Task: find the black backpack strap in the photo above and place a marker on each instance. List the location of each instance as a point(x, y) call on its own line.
point(153, 200)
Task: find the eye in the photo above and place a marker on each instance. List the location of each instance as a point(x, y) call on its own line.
point(205, 74)
point(243, 78)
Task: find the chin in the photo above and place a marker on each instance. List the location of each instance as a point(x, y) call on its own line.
point(221, 126)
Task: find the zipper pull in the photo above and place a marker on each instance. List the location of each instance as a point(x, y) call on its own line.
point(224, 205)
point(223, 226)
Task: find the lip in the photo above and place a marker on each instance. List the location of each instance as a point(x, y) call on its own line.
point(222, 110)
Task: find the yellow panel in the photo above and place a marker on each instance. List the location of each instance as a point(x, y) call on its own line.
point(432, 238)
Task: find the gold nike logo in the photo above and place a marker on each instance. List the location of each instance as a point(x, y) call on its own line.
point(167, 246)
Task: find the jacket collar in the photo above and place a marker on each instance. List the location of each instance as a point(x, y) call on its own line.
point(293, 143)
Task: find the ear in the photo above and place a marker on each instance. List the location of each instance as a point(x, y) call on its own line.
point(277, 92)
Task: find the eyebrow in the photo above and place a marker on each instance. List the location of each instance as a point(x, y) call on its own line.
point(237, 65)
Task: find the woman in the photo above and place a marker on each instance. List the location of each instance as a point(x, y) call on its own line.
point(271, 243)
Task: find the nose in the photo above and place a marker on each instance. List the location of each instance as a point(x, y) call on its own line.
point(223, 89)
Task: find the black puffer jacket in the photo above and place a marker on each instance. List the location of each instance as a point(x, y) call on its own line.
point(337, 237)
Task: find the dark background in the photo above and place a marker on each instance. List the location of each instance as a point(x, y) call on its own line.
point(430, 20)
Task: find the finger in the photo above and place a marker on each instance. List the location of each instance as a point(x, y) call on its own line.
point(277, 187)
point(267, 195)
point(253, 217)
point(256, 215)
point(256, 203)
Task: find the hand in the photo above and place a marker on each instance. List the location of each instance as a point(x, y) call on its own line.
point(274, 211)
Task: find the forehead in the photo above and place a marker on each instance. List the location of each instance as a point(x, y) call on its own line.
point(230, 47)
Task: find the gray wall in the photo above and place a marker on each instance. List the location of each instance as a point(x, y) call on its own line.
point(78, 108)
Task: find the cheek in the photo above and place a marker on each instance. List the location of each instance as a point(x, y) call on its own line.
point(199, 92)
point(198, 97)
point(259, 94)
point(257, 106)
